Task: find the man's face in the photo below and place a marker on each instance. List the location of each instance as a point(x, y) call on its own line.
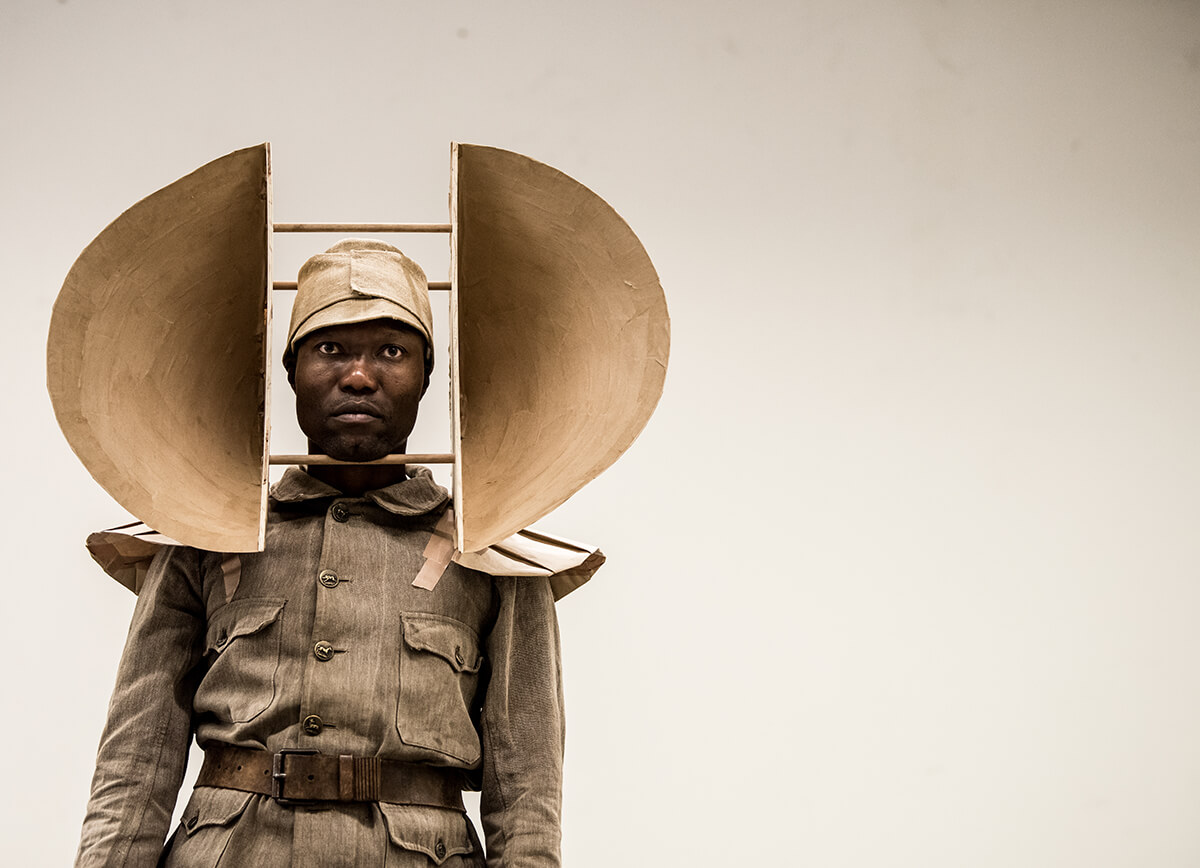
point(358, 386)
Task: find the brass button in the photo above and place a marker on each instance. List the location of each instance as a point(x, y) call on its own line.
point(192, 820)
point(328, 578)
point(323, 651)
point(458, 657)
point(312, 725)
point(222, 639)
point(339, 512)
point(440, 849)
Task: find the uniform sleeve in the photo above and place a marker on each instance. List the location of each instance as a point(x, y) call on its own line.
point(523, 729)
point(143, 751)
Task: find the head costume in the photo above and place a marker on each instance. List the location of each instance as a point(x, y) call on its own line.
point(158, 358)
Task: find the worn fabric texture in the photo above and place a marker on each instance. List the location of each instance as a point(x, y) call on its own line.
point(465, 676)
point(358, 280)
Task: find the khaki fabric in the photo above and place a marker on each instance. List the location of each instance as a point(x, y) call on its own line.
point(358, 280)
point(465, 676)
point(125, 553)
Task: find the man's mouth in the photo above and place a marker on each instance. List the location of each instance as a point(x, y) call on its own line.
point(355, 414)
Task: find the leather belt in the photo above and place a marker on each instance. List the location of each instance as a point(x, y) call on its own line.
point(308, 776)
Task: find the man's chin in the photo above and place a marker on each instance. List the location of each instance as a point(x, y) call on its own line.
point(346, 449)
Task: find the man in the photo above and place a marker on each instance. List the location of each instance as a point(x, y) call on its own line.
point(342, 709)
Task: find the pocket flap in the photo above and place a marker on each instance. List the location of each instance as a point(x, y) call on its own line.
point(439, 833)
point(240, 618)
point(213, 806)
point(451, 640)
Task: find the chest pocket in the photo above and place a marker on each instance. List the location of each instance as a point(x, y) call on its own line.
point(439, 673)
point(242, 647)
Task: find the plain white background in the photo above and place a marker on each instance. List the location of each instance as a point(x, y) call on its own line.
point(904, 571)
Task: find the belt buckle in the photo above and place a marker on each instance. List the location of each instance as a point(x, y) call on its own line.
point(279, 774)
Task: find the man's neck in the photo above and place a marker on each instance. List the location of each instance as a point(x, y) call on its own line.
point(356, 479)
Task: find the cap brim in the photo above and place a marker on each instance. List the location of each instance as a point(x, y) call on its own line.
point(357, 310)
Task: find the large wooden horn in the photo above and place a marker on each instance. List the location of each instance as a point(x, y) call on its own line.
point(560, 339)
point(158, 358)
point(157, 355)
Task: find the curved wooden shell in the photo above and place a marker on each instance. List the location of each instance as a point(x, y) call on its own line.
point(560, 334)
point(156, 360)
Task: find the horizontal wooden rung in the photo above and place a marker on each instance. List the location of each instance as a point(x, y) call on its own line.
point(416, 458)
point(362, 227)
point(291, 284)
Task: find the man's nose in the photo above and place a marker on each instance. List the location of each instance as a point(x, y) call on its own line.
point(358, 376)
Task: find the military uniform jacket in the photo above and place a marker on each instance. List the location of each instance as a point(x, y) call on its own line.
point(322, 641)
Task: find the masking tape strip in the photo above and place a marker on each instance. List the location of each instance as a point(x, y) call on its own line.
point(438, 552)
point(231, 571)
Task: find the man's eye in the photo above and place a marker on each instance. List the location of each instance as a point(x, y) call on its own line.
point(327, 347)
point(391, 351)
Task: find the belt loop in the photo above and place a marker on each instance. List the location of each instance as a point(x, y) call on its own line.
point(366, 778)
point(346, 777)
point(358, 778)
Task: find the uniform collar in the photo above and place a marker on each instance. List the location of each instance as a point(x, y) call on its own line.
point(416, 495)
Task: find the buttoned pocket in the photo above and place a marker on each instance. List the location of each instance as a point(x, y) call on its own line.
point(205, 828)
point(242, 649)
point(213, 806)
point(438, 833)
point(439, 673)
